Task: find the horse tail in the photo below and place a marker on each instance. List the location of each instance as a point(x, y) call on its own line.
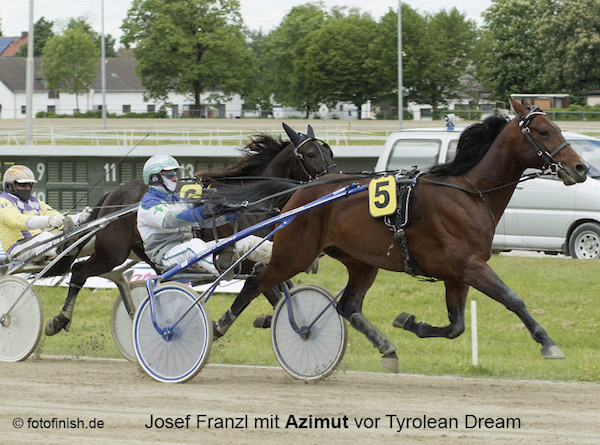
point(97, 208)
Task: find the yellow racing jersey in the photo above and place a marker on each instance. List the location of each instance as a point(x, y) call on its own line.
point(14, 214)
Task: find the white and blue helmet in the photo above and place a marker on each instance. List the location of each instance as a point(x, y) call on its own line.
point(155, 165)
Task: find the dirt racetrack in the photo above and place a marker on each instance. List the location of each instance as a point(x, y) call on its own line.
point(73, 401)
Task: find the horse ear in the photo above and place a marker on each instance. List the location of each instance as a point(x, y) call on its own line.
point(310, 132)
point(294, 137)
point(520, 110)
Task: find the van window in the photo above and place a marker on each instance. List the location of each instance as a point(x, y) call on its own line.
point(451, 150)
point(406, 153)
point(589, 150)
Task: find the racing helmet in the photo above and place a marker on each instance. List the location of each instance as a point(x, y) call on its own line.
point(22, 175)
point(155, 165)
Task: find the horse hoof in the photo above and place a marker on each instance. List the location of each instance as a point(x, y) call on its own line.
point(390, 361)
point(263, 321)
point(552, 352)
point(403, 320)
point(57, 324)
point(216, 333)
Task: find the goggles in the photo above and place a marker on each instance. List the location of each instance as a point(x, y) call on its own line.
point(170, 174)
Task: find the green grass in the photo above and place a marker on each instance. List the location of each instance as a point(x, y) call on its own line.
point(562, 294)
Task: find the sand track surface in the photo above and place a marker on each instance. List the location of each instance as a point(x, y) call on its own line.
point(73, 401)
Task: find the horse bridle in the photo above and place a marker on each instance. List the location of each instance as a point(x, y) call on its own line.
point(321, 145)
point(549, 163)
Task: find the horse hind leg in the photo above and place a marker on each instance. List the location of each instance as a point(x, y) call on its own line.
point(456, 297)
point(63, 319)
point(361, 277)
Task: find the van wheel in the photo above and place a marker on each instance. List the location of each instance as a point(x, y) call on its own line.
point(585, 242)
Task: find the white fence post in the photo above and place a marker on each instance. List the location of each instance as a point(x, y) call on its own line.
point(474, 347)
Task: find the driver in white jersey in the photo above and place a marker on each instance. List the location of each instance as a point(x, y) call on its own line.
point(165, 222)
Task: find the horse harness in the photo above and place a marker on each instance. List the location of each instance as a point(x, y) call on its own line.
point(549, 163)
point(321, 146)
point(397, 221)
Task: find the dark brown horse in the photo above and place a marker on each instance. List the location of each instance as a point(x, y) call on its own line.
point(302, 158)
point(453, 215)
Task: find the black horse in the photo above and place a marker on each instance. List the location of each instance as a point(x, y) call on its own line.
point(302, 158)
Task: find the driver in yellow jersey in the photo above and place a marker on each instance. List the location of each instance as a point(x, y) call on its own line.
point(23, 217)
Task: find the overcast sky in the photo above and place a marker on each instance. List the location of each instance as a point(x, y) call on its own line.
point(265, 14)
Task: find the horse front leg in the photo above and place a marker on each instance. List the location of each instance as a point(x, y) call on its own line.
point(456, 297)
point(264, 282)
point(484, 279)
point(361, 277)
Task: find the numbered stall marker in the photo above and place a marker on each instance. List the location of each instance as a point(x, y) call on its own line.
point(191, 191)
point(382, 196)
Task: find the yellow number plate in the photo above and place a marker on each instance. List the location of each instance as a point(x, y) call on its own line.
point(191, 191)
point(382, 196)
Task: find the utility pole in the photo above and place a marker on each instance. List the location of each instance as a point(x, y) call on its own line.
point(29, 77)
point(103, 72)
point(400, 105)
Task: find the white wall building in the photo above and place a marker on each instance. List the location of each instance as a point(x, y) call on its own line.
point(124, 93)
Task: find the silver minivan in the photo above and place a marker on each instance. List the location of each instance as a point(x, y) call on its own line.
point(543, 214)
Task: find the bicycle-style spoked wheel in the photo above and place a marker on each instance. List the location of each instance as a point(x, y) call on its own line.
point(181, 356)
point(20, 330)
point(121, 322)
point(316, 354)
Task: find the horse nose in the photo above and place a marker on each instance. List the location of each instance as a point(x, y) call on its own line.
point(582, 169)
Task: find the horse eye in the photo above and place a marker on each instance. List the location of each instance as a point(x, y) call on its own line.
point(543, 133)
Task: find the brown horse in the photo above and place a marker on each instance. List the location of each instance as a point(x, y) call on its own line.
point(302, 158)
point(453, 214)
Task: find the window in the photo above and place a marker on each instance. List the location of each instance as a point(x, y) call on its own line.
point(452, 145)
point(126, 109)
point(23, 109)
point(53, 94)
point(151, 108)
point(51, 108)
point(407, 153)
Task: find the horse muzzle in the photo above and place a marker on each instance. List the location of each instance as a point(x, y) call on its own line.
point(573, 175)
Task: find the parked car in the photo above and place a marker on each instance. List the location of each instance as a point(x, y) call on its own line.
point(543, 214)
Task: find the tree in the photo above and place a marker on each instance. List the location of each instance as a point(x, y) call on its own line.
point(42, 31)
point(572, 47)
point(283, 47)
point(259, 95)
point(335, 64)
point(511, 53)
point(109, 41)
point(70, 62)
point(190, 47)
point(383, 52)
point(442, 58)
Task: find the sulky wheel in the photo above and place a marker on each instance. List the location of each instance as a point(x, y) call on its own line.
point(20, 330)
point(182, 355)
point(120, 322)
point(315, 354)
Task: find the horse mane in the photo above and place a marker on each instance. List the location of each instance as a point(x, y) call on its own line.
point(473, 144)
point(256, 154)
